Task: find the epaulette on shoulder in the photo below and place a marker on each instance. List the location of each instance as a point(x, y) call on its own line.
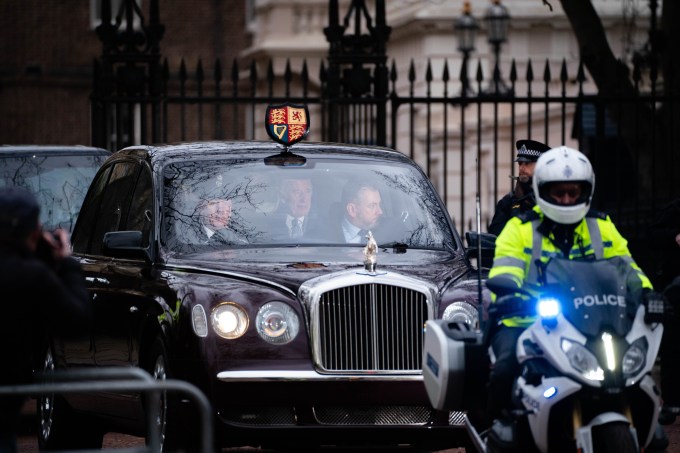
point(597, 214)
point(528, 216)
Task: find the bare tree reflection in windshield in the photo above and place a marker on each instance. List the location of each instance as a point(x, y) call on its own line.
point(419, 220)
point(189, 186)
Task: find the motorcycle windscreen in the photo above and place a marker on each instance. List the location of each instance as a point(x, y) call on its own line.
point(596, 295)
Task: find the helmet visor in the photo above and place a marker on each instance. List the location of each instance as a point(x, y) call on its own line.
point(565, 193)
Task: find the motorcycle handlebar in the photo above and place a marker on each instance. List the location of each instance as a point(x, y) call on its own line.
point(510, 305)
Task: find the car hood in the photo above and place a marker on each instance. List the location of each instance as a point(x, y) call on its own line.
point(292, 266)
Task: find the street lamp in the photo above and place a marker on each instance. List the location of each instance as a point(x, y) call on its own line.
point(466, 29)
point(497, 19)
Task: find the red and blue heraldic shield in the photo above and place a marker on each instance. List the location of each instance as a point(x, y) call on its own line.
point(287, 123)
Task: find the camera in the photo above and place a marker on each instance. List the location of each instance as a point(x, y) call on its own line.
point(45, 251)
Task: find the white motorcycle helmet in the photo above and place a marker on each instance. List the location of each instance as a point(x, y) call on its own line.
point(563, 164)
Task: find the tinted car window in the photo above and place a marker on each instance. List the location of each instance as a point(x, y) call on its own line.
point(141, 207)
point(59, 181)
point(111, 204)
point(410, 213)
point(88, 215)
point(114, 202)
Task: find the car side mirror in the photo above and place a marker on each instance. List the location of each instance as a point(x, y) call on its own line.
point(125, 244)
point(486, 241)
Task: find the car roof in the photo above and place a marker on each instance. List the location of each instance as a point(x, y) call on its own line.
point(52, 149)
point(258, 149)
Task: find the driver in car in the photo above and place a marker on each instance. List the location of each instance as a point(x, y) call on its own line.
point(362, 212)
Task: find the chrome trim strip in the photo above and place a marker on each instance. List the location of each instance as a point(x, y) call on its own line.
point(282, 376)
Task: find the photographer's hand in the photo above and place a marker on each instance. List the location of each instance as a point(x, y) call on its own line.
point(59, 243)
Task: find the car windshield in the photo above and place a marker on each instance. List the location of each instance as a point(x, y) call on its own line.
point(59, 182)
point(253, 204)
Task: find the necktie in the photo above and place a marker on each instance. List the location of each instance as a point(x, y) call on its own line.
point(296, 228)
point(362, 235)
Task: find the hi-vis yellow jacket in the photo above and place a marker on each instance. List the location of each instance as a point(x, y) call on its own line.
point(520, 244)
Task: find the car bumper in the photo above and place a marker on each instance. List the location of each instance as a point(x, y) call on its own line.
point(327, 409)
point(311, 376)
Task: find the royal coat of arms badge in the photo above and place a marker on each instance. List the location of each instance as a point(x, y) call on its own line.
point(287, 123)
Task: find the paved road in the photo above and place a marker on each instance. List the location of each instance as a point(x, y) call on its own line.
point(28, 442)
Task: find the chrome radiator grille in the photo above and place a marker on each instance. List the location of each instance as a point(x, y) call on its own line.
point(371, 327)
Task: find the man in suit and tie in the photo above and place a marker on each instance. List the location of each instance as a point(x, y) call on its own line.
point(214, 218)
point(362, 211)
point(294, 212)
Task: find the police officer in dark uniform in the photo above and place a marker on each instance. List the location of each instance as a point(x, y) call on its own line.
point(521, 199)
point(44, 294)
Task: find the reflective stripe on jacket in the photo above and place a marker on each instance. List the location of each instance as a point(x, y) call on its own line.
point(520, 244)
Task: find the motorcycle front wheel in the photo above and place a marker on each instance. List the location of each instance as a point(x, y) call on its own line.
point(614, 438)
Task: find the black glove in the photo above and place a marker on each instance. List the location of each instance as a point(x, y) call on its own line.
point(656, 307)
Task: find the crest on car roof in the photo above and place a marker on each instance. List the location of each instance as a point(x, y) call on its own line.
point(287, 123)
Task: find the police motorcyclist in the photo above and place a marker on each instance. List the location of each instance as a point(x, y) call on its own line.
point(561, 225)
point(521, 198)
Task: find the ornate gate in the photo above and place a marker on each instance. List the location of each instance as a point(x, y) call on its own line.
point(460, 132)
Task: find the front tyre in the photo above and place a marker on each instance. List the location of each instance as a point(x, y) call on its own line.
point(168, 418)
point(614, 437)
point(59, 427)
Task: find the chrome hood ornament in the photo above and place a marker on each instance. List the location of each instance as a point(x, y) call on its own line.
point(370, 253)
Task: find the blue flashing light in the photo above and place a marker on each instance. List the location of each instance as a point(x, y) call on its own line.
point(548, 308)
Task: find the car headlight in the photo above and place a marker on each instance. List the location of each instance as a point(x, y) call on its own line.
point(461, 312)
point(229, 320)
point(277, 323)
point(634, 358)
point(582, 360)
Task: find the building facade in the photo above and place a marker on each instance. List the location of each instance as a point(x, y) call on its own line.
point(228, 49)
point(540, 39)
point(47, 51)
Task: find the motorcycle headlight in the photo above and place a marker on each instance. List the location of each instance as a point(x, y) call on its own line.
point(582, 360)
point(277, 323)
point(461, 312)
point(229, 320)
point(634, 358)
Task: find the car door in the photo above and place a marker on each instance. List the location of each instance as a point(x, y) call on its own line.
point(134, 291)
point(80, 351)
point(112, 329)
point(115, 205)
